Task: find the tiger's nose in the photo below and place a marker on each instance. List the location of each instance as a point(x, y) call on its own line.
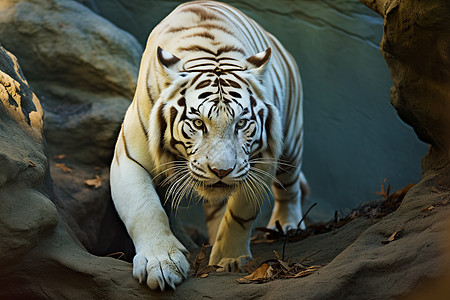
point(221, 173)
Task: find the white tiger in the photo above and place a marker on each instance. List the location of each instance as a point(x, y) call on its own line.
point(209, 115)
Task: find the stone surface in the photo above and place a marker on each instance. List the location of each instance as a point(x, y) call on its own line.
point(421, 74)
point(82, 67)
point(84, 70)
point(26, 213)
point(39, 257)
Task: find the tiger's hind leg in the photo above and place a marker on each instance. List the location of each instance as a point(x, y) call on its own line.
point(288, 200)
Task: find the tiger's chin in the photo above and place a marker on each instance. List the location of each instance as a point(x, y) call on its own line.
point(216, 193)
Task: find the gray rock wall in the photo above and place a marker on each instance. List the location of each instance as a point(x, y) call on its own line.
point(84, 70)
point(82, 67)
point(353, 137)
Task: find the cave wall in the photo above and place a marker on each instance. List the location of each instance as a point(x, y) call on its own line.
point(353, 137)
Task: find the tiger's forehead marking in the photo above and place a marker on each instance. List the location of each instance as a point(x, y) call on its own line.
point(218, 94)
point(216, 62)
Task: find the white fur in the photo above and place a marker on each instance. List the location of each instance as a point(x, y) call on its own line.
point(160, 257)
point(144, 153)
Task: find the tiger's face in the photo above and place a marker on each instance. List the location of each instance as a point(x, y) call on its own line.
point(216, 127)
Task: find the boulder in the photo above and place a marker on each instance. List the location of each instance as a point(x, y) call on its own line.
point(26, 212)
point(40, 258)
point(416, 47)
point(84, 70)
point(82, 67)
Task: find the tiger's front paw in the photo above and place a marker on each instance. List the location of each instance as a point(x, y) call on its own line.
point(233, 264)
point(161, 266)
point(230, 258)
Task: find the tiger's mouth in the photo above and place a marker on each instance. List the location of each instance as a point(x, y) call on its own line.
point(220, 184)
point(217, 192)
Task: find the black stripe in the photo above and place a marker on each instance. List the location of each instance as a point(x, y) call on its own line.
point(268, 127)
point(196, 48)
point(201, 12)
point(211, 215)
point(196, 78)
point(126, 150)
point(203, 34)
point(203, 84)
point(233, 83)
point(227, 49)
point(163, 126)
point(288, 184)
point(143, 127)
point(240, 220)
point(173, 141)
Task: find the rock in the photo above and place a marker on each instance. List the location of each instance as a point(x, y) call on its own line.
point(70, 44)
point(26, 213)
point(82, 67)
point(39, 257)
point(416, 47)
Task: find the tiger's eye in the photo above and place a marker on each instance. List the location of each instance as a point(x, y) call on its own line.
point(241, 123)
point(198, 123)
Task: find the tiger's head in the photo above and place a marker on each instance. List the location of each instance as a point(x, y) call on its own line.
point(213, 126)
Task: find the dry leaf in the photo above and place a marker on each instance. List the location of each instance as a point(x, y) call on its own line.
point(64, 168)
point(278, 269)
point(276, 255)
point(200, 262)
point(307, 272)
point(402, 192)
point(60, 156)
point(30, 163)
point(259, 275)
point(250, 266)
point(427, 208)
point(383, 192)
point(284, 264)
point(207, 270)
point(397, 195)
point(393, 236)
point(119, 255)
point(94, 183)
point(433, 189)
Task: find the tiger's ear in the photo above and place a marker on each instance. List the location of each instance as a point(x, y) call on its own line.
point(257, 63)
point(169, 62)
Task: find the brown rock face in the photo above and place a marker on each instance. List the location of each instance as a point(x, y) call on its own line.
point(416, 47)
point(26, 212)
